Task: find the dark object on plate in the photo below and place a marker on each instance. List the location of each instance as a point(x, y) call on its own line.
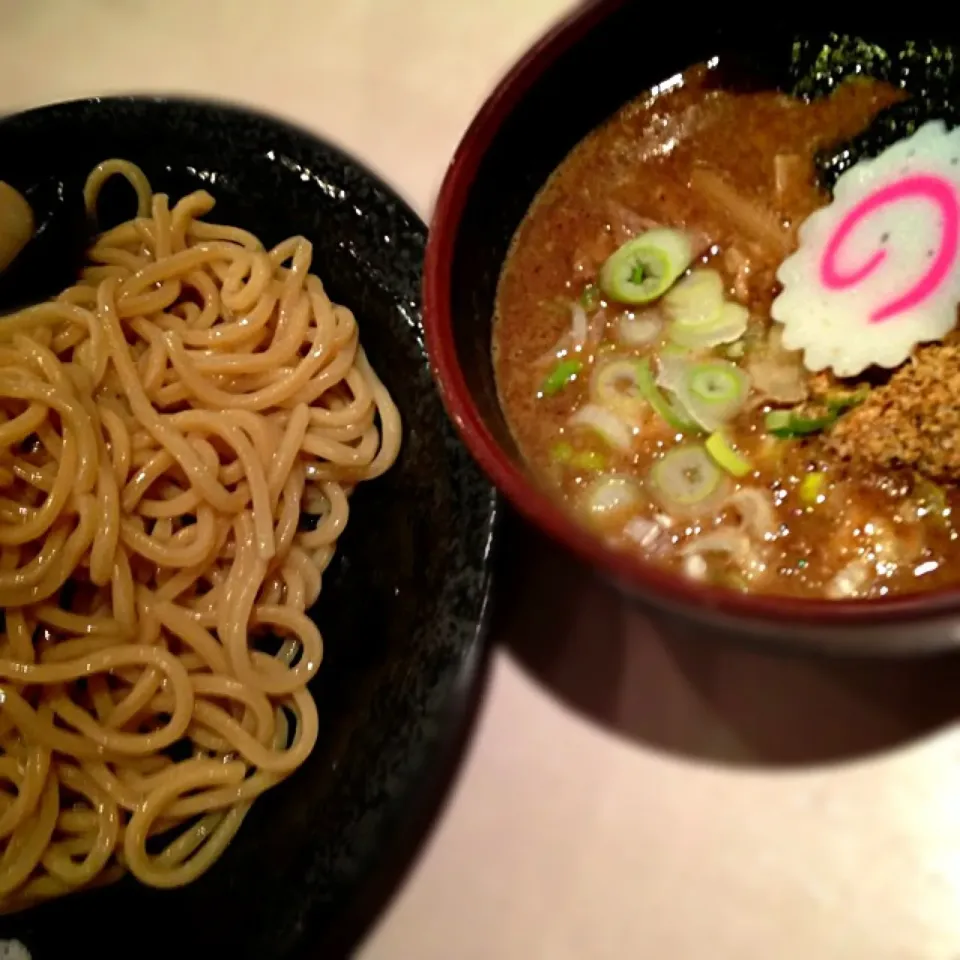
point(590, 66)
point(403, 607)
point(53, 256)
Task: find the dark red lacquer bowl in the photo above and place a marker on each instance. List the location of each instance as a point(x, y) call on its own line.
point(573, 79)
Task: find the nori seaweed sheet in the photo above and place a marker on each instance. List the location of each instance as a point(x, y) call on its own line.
point(928, 72)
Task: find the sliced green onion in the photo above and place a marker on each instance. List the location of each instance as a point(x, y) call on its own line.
point(615, 385)
point(716, 380)
point(605, 423)
point(842, 402)
point(727, 456)
point(626, 387)
point(789, 423)
point(638, 329)
point(778, 422)
point(588, 460)
point(697, 299)
point(568, 455)
point(727, 541)
point(712, 391)
point(811, 487)
point(786, 423)
point(644, 268)
point(667, 410)
point(560, 376)
point(561, 452)
point(730, 324)
point(686, 480)
point(564, 453)
point(701, 316)
point(672, 368)
point(612, 494)
point(590, 297)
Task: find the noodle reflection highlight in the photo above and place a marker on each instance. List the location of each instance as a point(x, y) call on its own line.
point(165, 426)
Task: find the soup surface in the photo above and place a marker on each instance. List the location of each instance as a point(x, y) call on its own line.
point(784, 481)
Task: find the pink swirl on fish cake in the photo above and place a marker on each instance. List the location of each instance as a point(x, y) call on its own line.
point(924, 186)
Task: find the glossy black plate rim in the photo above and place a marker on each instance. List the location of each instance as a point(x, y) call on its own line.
point(403, 819)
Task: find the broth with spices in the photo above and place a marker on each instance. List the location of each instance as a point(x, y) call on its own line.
point(585, 381)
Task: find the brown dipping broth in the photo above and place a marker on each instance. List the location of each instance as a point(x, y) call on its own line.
point(657, 163)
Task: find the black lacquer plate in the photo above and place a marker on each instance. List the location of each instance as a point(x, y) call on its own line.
point(403, 607)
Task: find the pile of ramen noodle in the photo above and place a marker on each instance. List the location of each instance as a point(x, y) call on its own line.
point(165, 424)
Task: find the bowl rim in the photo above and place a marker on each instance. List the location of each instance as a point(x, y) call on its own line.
point(531, 501)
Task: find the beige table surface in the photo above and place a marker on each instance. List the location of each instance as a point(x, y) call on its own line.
point(622, 796)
